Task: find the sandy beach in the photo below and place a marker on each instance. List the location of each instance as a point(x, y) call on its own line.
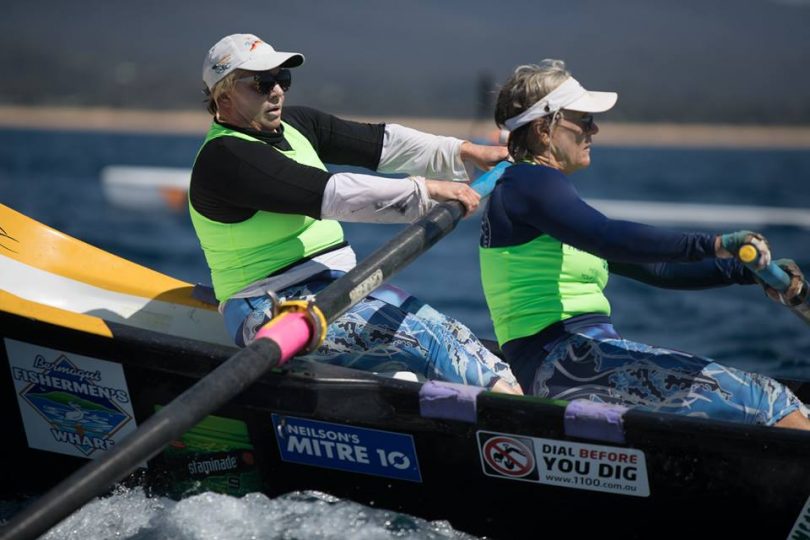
point(611, 133)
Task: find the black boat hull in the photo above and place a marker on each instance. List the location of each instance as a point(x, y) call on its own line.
point(702, 476)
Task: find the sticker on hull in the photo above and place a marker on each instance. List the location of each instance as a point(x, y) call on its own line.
point(347, 448)
point(573, 465)
point(512, 457)
point(69, 403)
point(216, 455)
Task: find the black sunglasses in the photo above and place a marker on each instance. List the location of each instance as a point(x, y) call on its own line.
point(265, 81)
point(586, 121)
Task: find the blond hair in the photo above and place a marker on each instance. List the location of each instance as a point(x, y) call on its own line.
point(528, 84)
point(224, 85)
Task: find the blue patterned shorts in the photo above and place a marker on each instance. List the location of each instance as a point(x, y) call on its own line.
point(661, 380)
point(389, 332)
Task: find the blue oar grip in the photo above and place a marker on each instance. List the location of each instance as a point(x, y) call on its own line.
point(485, 183)
point(771, 274)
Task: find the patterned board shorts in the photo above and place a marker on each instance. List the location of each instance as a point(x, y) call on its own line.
point(387, 333)
point(662, 380)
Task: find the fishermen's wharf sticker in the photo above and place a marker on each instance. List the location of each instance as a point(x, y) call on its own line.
point(591, 467)
point(69, 403)
point(347, 448)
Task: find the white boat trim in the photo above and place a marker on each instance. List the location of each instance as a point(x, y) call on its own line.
point(43, 287)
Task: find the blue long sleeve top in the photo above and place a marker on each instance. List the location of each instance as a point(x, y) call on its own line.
point(535, 200)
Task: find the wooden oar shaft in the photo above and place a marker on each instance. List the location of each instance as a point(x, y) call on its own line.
point(400, 251)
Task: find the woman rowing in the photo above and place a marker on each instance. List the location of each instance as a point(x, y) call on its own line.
point(266, 212)
point(545, 259)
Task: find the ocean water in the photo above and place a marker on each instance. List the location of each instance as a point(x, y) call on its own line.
point(54, 177)
point(131, 514)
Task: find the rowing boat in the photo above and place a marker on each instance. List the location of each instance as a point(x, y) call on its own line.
point(95, 344)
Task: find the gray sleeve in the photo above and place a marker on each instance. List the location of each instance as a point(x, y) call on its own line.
point(372, 199)
point(409, 151)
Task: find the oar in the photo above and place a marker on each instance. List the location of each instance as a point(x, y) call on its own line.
point(281, 339)
point(778, 279)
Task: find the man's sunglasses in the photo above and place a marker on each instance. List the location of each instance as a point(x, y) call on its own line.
point(264, 82)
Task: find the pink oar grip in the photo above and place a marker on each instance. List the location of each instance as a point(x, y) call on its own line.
point(291, 331)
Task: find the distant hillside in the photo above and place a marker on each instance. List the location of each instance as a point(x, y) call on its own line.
point(733, 61)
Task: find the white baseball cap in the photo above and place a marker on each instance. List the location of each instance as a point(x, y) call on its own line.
point(244, 51)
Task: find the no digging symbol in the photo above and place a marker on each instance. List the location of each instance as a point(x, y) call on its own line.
point(508, 457)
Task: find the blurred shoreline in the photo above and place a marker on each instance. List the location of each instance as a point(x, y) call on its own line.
point(611, 133)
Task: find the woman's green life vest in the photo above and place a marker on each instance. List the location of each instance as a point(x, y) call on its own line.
point(533, 285)
point(240, 253)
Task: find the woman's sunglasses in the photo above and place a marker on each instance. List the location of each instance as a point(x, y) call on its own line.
point(586, 121)
point(264, 82)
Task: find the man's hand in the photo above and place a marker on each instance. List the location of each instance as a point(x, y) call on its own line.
point(482, 156)
point(440, 190)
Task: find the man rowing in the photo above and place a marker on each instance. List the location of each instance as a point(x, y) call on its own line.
point(545, 259)
point(266, 211)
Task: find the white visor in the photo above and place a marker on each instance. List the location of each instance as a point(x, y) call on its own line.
point(569, 95)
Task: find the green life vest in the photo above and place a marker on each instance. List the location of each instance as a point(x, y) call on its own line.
point(533, 285)
point(240, 253)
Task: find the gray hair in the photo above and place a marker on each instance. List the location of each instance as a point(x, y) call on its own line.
point(528, 84)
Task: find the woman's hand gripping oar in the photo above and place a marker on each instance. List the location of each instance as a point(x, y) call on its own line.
point(783, 280)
